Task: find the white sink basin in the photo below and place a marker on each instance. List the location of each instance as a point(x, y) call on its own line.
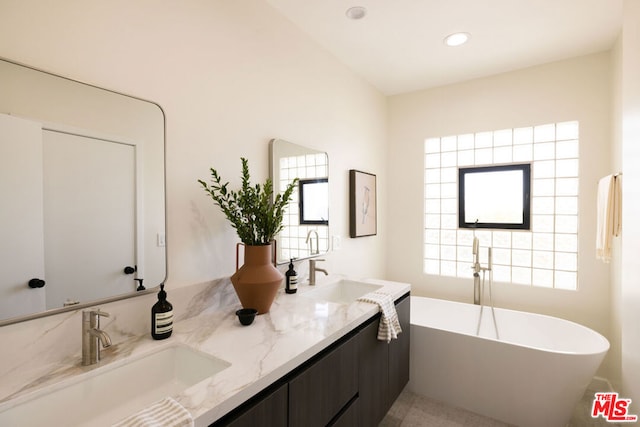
point(342, 292)
point(108, 394)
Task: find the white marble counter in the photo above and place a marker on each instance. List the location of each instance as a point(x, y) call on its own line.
point(296, 328)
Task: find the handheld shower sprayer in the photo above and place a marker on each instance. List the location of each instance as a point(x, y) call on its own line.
point(476, 270)
point(476, 252)
point(476, 255)
point(477, 267)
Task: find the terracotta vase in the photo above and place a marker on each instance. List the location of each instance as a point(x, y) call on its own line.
point(258, 280)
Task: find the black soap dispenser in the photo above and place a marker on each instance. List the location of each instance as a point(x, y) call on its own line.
point(161, 317)
point(291, 285)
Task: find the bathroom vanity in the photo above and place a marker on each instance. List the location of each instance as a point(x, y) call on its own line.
point(353, 382)
point(313, 359)
point(353, 378)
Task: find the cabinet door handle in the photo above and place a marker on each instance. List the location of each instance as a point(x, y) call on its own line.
point(36, 283)
point(130, 270)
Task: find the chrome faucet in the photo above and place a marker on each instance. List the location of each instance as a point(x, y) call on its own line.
point(91, 334)
point(309, 242)
point(313, 269)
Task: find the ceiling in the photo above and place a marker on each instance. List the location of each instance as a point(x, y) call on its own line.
point(398, 46)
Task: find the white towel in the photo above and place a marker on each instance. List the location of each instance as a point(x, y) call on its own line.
point(609, 215)
point(389, 326)
point(164, 413)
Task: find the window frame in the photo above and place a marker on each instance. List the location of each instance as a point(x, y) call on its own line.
point(304, 219)
point(525, 224)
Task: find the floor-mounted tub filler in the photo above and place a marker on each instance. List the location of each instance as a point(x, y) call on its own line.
point(533, 375)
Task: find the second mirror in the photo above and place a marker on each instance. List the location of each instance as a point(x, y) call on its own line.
point(306, 219)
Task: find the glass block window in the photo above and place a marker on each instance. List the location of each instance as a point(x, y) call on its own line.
point(545, 256)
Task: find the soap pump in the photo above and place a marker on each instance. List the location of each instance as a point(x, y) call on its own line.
point(161, 316)
point(291, 285)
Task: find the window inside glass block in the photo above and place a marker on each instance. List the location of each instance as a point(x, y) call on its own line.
point(546, 253)
point(496, 197)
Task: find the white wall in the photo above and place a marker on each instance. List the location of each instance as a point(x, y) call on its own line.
point(616, 250)
point(630, 284)
point(575, 89)
point(230, 75)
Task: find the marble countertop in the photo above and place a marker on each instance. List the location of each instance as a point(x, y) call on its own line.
point(296, 328)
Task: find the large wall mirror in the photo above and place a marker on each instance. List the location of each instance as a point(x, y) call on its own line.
point(306, 218)
point(83, 194)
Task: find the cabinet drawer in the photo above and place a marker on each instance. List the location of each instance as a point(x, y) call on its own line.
point(374, 375)
point(399, 352)
point(268, 411)
point(318, 393)
point(349, 418)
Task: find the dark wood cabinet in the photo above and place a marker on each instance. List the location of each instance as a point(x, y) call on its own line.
point(352, 383)
point(270, 410)
point(349, 417)
point(373, 375)
point(383, 368)
point(322, 390)
point(399, 352)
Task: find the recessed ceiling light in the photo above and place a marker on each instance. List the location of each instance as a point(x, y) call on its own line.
point(457, 39)
point(356, 12)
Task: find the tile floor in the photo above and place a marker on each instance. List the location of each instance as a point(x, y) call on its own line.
point(412, 410)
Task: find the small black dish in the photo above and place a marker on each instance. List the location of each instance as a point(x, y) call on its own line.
point(246, 315)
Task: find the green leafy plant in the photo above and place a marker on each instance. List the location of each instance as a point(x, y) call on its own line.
point(252, 210)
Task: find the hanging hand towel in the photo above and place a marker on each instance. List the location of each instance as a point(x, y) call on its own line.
point(164, 413)
point(389, 326)
point(609, 215)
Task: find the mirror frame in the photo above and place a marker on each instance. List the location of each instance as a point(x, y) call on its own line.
point(148, 290)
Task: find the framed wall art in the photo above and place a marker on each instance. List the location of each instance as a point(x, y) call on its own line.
point(362, 204)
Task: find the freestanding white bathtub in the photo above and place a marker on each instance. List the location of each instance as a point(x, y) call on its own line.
point(533, 375)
